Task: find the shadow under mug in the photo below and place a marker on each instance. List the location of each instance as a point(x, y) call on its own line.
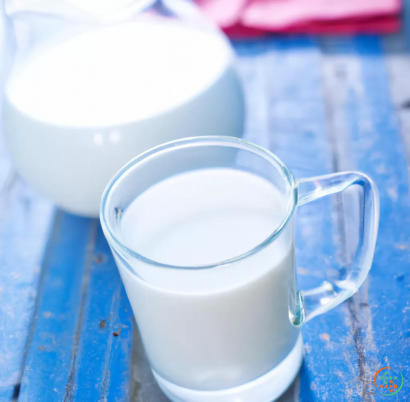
point(229, 344)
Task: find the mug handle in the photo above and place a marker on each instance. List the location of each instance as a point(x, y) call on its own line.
point(306, 304)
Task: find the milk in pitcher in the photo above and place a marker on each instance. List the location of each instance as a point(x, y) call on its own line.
point(77, 112)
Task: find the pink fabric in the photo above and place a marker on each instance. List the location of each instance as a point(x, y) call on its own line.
point(243, 18)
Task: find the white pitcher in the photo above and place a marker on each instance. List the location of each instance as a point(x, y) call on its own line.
point(95, 83)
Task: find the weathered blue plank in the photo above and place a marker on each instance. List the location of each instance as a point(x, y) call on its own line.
point(103, 361)
point(284, 77)
point(24, 225)
point(53, 342)
point(300, 137)
point(373, 144)
point(337, 76)
point(73, 353)
point(252, 65)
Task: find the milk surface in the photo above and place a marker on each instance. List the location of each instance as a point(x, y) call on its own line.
point(215, 328)
point(77, 112)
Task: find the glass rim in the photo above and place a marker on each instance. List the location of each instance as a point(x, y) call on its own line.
point(186, 143)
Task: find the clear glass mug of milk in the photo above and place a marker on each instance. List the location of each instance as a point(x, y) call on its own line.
point(202, 230)
point(96, 82)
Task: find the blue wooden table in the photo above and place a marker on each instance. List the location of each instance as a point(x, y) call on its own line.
point(322, 105)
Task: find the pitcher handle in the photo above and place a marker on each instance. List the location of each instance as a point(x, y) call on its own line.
point(310, 303)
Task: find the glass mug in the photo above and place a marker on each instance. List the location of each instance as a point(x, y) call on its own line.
point(228, 330)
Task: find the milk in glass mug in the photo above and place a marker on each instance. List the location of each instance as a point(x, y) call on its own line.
point(202, 230)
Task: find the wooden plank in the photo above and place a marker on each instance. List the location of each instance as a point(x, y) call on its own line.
point(337, 92)
point(103, 360)
point(299, 135)
point(296, 123)
point(358, 91)
point(73, 354)
point(252, 65)
point(24, 226)
point(53, 342)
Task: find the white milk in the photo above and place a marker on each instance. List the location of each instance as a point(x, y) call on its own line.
point(79, 111)
point(214, 328)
